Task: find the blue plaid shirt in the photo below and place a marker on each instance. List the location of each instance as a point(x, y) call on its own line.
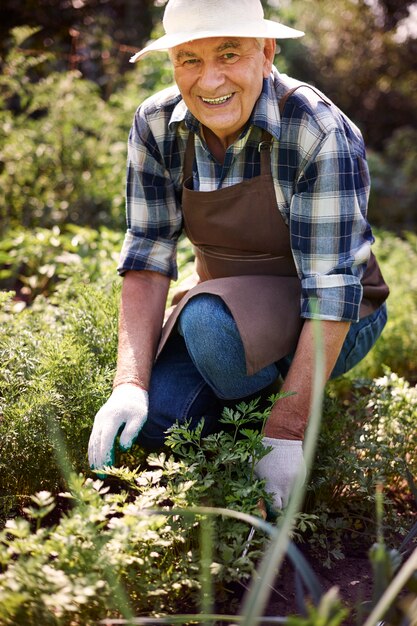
point(321, 183)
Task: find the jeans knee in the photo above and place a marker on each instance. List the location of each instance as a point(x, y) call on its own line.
point(153, 434)
point(216, 348)
point(209, 330)
point(200, 314)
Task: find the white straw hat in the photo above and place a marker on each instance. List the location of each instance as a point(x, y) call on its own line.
point(187, 20)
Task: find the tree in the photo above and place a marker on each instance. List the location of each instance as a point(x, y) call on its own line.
point(354, 51)
point(95, 36)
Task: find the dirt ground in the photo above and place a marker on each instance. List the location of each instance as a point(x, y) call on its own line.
point(352, 576)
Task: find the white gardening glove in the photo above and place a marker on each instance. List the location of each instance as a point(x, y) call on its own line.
point(280, 467)
point(128, 407)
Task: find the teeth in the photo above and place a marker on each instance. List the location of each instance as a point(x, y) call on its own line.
point(217, 100)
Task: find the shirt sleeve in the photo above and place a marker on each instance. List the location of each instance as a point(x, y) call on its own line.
point(330, 235)
point(153, 214)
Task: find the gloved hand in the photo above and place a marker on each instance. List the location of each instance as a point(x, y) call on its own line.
point(128, 407)
point(280, 467)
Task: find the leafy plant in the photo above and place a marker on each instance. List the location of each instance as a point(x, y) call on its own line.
point(393, 175)
point(368, 439)
point(33, 262)
point(57, 364)
point(142, 537)
point(63, 148)
point(396, 346)
point(57, 356)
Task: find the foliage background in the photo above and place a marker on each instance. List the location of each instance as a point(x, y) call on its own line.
point(68, 94)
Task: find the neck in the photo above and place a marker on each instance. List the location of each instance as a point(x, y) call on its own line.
point(217, 145)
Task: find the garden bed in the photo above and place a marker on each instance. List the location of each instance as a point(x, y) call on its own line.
point(57, 359)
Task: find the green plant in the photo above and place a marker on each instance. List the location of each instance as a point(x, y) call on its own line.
point(57, 364)
point(63, 148)
point(32, 262)
point(393, 175)
point(70, 573)
point(396, 346)
point(142, 537)
point(366, 439)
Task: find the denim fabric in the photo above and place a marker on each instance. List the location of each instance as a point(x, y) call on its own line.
point(203, 365)
point(177, 392)
point(216, 349)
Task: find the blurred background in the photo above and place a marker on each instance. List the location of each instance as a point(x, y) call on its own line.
point(68, 94)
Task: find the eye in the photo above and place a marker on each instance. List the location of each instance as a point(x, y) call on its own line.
point(190, 62)
point(230, 57)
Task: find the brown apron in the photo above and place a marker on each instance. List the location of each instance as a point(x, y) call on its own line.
point(243, 255)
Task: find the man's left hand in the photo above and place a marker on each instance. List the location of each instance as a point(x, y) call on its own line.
point(280, 468)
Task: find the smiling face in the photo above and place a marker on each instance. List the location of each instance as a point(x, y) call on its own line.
point(220, 80)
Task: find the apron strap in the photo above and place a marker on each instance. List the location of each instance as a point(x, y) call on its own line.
point(287, 94)
point(264, 149)
point(187, 170)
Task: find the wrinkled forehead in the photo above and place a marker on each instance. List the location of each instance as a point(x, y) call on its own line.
point(211, 45)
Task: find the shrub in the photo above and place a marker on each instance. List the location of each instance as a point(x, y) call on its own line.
point(394, 175)
point(396, 347)
point(367, 439)
point(33, 262)
point(63, 148)
point(62, 160)
point(57, 366)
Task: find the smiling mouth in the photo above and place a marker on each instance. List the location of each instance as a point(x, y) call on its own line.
point(220, 100)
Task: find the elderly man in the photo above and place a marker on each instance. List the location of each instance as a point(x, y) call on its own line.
point(269, 180)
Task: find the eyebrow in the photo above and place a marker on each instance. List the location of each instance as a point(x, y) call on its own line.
point(184, 53)
point(232, 43)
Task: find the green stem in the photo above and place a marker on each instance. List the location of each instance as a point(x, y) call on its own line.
point(393, 590)
point(206, 547)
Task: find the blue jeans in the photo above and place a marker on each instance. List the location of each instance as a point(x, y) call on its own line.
point(203, 366)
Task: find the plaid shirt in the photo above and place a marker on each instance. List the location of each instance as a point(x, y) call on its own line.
point(321, 182)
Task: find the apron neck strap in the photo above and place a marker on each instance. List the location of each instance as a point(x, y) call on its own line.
point(264, 149)
point(189, 157)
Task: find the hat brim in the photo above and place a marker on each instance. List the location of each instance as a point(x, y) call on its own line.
point(267, 29)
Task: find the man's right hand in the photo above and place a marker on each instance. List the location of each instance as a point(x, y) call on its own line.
point(125, 411)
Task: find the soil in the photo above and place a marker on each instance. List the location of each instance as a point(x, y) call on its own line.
point(352, 576)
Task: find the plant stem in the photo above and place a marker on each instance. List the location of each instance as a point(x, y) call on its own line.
point(393, 590)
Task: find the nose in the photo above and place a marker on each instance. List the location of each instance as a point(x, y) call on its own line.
point(211, 78)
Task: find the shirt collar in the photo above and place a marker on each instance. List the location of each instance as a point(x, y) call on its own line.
point(182, 116)
point(265, 114)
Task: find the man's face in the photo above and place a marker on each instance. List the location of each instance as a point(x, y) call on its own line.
point(220, 80)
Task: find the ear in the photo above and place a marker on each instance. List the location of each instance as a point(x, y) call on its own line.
point(269, 54)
